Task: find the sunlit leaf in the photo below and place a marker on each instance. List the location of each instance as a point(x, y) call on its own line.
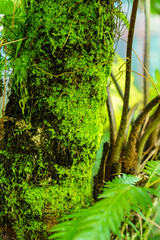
point(6, 7)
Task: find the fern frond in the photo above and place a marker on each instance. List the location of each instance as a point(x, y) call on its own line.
point(133, 226)
point(153, 171)
point(106, 216)
point(126, 179)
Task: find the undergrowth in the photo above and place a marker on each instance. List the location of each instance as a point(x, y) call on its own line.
point(122, 212)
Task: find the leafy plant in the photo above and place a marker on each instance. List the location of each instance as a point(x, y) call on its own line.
point(119, 202)
point(126, 151)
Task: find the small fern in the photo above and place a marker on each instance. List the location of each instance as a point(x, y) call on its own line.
point(153, 171)
point(118, 199)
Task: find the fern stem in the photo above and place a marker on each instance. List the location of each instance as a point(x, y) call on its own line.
point(131, 161)
point(147, 133)
point(152, 183)
point(115, 155)
point(153, 138)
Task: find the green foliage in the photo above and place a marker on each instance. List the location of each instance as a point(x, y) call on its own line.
point(99, 154)
point(6, 7)
point(122, 16)
point(153, 91)
point(58, 91)
point(155, 6)
point(118, 199)
point(153, 171)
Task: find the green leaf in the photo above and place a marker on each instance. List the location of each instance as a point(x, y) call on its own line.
point(133, 226)
point(99, 154)
point(136, 209)
point(106, 215)
point(122, 16)
point(127, 179)
point(153, 170)
point(157, 73)
point(6, 7)
point(155, 6)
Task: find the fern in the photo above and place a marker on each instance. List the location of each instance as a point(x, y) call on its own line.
point(126, 179)
point(133, 226)
point(153, 171)
point(118, 199)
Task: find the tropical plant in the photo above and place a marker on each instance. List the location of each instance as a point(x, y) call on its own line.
point(120, 203)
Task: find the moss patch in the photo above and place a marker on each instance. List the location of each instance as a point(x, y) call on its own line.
point(58, 92)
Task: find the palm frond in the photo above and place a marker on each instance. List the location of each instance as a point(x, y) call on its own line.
point(106, 216)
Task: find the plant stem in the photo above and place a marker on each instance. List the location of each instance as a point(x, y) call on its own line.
point(147, 133)
point(131, 151)
point(146, 51)
point(153, 138)
point(115, 155)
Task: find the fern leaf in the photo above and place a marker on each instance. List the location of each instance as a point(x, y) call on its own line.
point(106, 215)
point(126, 179)
point(153, 170)
point(6, 7)
point(136, 209)
point(133, 226)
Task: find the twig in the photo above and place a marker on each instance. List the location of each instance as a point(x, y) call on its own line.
point(155, 224)
point(7, 43)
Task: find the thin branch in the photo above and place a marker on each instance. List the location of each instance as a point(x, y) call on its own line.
point(7, 43)
point(147, 77)
point(155, 224)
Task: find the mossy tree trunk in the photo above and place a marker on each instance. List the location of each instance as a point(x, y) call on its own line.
point(54, 121)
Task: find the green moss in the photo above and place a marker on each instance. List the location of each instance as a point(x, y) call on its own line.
point(59, 91)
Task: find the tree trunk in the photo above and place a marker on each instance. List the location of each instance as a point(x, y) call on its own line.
point(53, 121)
